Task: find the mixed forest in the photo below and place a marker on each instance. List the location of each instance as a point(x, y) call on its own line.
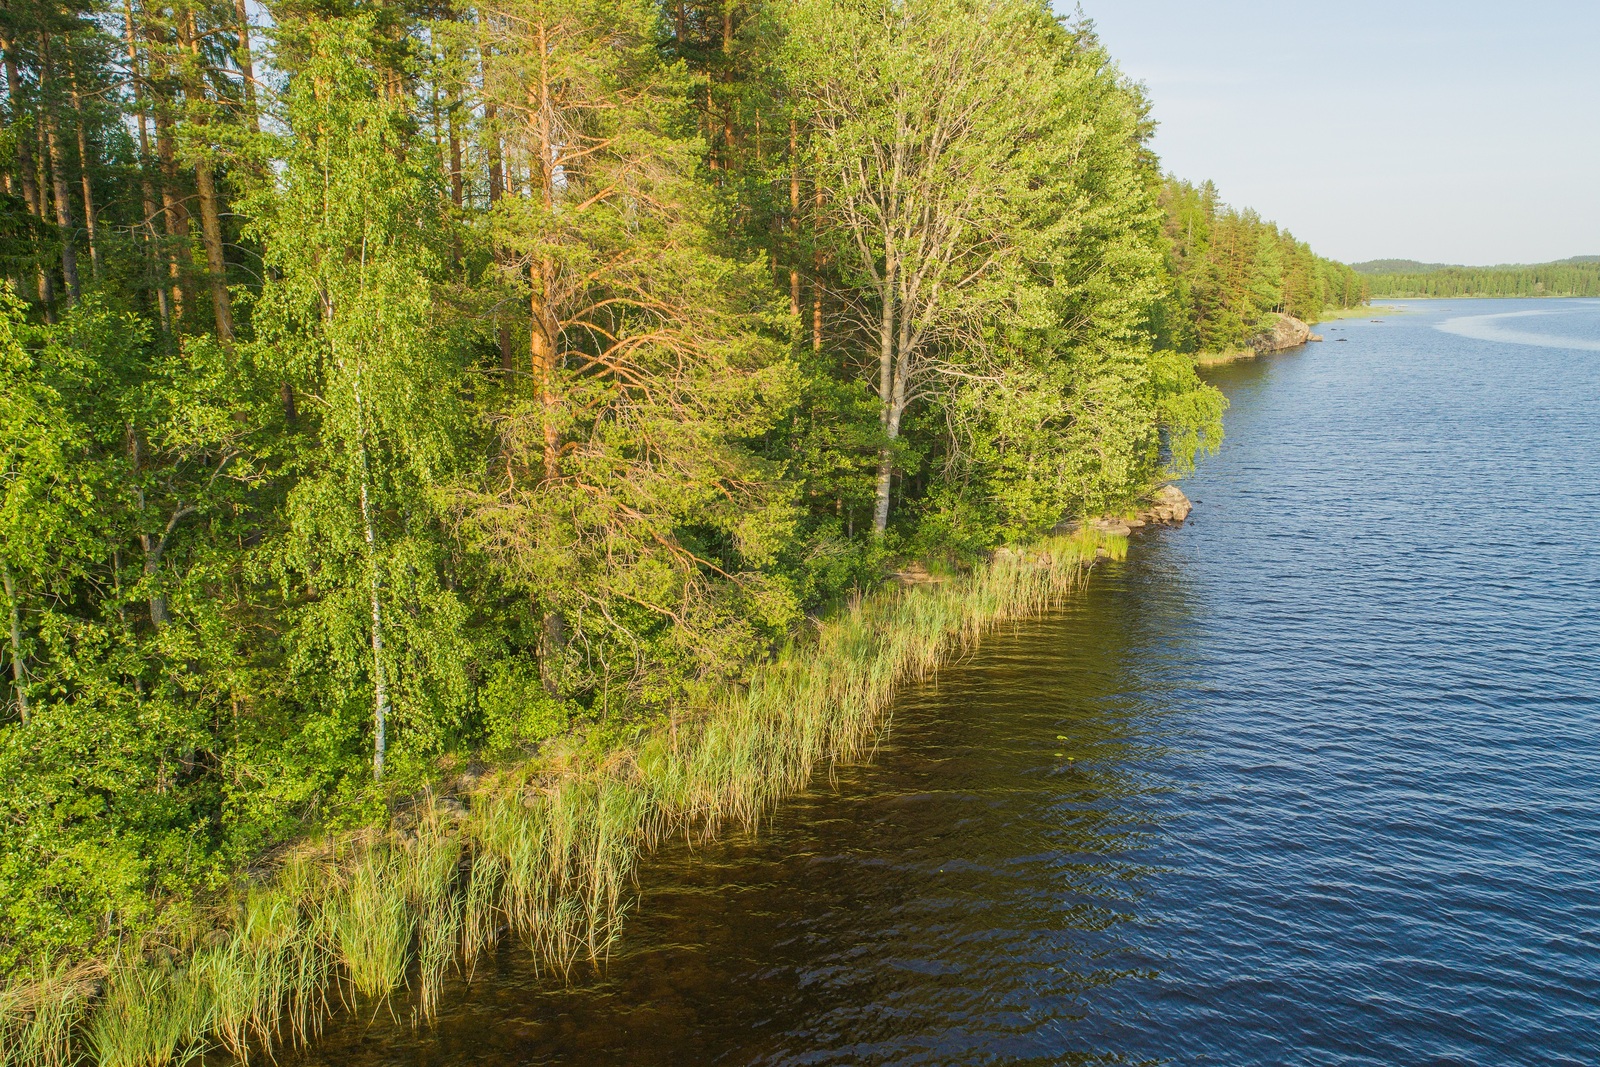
point(1230, 271)
point(389, 386)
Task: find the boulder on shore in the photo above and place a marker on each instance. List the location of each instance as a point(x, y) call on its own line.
point(1165, 506)
point(1285, 332)
point(1168, 507)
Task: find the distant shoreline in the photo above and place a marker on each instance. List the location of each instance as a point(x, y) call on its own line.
point(1489, 296)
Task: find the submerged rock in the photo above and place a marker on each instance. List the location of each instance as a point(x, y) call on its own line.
point(1285, 332)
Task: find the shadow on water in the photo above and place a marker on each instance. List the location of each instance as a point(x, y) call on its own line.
point(961, 898)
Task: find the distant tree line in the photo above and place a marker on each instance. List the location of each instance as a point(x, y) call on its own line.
point(1571, 278)
point(1229, 272)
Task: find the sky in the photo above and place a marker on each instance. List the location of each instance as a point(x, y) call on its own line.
point(1448, 131)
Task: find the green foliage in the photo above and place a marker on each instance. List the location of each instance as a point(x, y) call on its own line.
point(517, 710)
point(1231, 272)
point(453, 385)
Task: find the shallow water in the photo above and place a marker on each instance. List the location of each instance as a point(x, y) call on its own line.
point(1313, 779)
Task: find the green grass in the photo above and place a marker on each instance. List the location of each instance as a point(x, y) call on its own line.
point(546, 849)
point(1363, 312)
point(1211, 359)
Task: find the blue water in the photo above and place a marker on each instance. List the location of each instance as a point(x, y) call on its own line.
point(1314, 779)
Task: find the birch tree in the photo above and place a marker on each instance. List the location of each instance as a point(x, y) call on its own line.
point(353, 237)
point(924, 115)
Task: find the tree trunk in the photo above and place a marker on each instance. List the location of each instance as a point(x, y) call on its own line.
point(496, 175)
point(147, 229)
point(19, 671)
point(794, 218)
point(26, 167)
point(816, 272)
point(247, 67)
point(216, 266)
point(159, 616)
point(889, 414)
point(89, 220)
point(508, 359)
point(30, 191)
point(544, 330)
point(542, 350)
point(58, 174)
point(176, 217)
point(894, 411)
point(457, 193)
point(210, 213)
point(711, 132)
point(380, 685)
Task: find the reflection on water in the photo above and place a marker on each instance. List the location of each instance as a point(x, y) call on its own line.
point(1314, 779)
point(1488, 328)
point(959, 899)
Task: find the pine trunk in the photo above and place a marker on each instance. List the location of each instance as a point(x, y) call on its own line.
point(216, 265)
point(26, 167)
point(89, 220)
point(816, 272)
point(794, 217)
point(210, 211)
point(176, 217)
point(247, 67)
point(544, 330)
point(147, 228)
point(63, 197)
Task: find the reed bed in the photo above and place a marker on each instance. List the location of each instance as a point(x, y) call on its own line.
point(544, 851)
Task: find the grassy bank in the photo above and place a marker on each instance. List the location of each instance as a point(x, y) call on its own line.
point(1212, 359)
point(544, 851)
point(1364, 312)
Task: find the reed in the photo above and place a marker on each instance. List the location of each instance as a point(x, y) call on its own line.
point(546, 849)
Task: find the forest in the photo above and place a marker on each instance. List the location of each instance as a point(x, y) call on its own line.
point(1579, 276)
point(387, 389)
point(1229, 270)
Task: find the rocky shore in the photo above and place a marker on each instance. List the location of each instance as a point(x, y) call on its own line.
point(1166, 506)
point(1286, 332)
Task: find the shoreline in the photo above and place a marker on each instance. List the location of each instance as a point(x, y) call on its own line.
point(542, 850)
point(1239, 355)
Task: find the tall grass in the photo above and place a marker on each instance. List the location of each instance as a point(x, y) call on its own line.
point(546, 849)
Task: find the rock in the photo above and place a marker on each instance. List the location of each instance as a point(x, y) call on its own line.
point(1285, 332)
point(1314, 337)
point(1168, 507)
point(917, 574)
point(1112, 526)
point(451, 809)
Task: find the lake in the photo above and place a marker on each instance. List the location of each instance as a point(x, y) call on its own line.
point(1312, 779)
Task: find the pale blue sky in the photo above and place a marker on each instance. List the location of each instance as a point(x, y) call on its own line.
point(1453, 131)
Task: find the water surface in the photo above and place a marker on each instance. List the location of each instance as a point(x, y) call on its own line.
point(1314, 779)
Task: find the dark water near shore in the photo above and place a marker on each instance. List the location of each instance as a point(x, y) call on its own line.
point(1314, 779)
